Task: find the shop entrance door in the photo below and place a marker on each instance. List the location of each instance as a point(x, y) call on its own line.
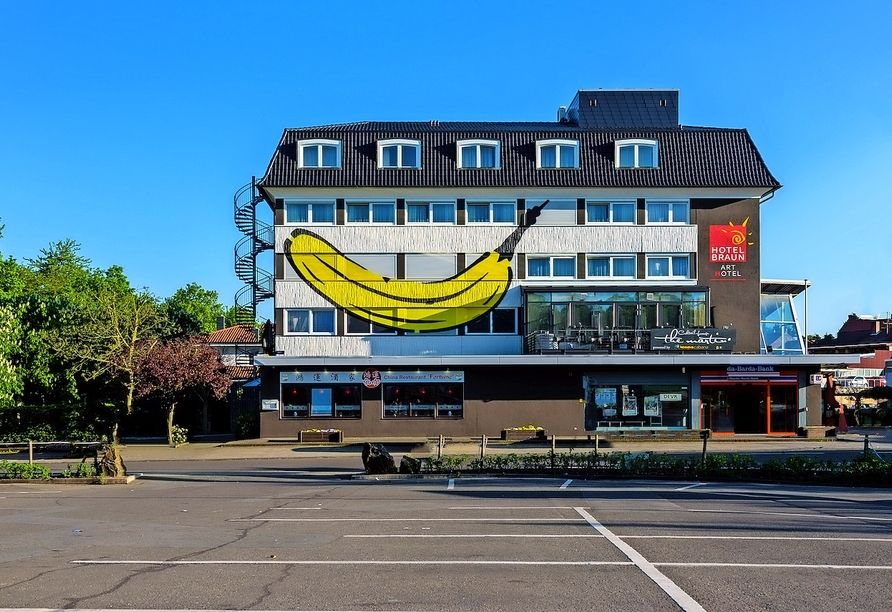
point(735, 408)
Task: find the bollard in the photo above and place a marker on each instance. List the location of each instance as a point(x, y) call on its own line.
point(483, 446)
point(704, 434)
point(596, 443)
point(31, 452)
point(866, 445)
point(553, 446)
point(440, 447)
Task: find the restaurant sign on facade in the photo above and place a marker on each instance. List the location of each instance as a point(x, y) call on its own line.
point(699, 339)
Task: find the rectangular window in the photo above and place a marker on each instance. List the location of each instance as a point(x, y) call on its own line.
point(556, 212)
point(430, 212)
point(309, 212)
point(667, 211)
point(668, 266)
point(610, 212)
point(371, 212)
point(497, 321)
point(423, 401)
point(310, 321)
point(636, 154)
point(303, 401)
point(430, 265)
point(358, 326)
point(551, 267)
point(319, 153)
point(399, 153)
point(478, 153)
point(491, 212)
point(611, 266)
point(557, 153)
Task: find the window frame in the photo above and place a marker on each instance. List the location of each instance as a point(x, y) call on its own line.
point(491, 203)
point(369, 204)
point(430, 212)
point(489, 316)
point(558, 143)
point(319, 142)
point(637, 143)
point(478, 142)
point(671, 221)
point(612, 257)
point(610, 207)
point(550, 258)
point(311, 322)
point(310, 204)
point(399, 143)
point(670, 257)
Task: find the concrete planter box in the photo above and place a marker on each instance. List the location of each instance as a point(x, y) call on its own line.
point(523, 434)
point(320, 436)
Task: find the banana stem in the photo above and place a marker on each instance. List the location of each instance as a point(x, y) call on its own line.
point(506, 249)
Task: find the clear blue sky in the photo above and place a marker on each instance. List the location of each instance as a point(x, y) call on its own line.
point(128, 126)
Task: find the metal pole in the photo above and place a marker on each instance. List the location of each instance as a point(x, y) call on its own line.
point(31, 450)
point(805, 298)
point(483, 446)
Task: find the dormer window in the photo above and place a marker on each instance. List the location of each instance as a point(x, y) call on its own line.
point(557, 154)
point(319, 153)
point(399, 154)
point(636, 154)
point(478, 153)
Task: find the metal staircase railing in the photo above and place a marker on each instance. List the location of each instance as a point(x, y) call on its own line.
point(258, 237)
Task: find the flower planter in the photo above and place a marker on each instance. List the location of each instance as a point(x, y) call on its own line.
point(523, 434)
point(320, 436)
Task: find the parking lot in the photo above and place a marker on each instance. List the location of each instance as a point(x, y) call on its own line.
point(274, 536)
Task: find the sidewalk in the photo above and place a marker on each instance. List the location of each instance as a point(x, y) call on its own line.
point(280, 448)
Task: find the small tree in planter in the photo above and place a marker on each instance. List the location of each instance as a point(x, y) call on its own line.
point(177, 368)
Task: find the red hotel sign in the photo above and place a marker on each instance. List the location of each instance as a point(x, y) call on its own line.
point(727, 243)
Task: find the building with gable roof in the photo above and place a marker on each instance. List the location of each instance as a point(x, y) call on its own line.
point(598, 272)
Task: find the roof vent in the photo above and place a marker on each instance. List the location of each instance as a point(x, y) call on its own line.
point(562, 114)
point(435, 123)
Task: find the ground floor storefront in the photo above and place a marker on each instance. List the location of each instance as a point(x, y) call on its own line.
point(563, 396)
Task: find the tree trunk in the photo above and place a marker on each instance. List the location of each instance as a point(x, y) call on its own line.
point(170, 424)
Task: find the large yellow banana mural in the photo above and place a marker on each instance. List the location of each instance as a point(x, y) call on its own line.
point(405, 304)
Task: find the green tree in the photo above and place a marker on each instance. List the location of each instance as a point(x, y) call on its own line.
point(108, 340)
point(193, 310)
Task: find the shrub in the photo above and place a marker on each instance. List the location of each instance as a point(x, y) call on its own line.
point(179, 435)
point(247, 426)
point(26, 471)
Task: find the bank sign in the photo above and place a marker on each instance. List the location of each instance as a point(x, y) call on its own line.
point(699, 339)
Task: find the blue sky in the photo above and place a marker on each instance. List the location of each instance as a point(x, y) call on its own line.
point(128, 126)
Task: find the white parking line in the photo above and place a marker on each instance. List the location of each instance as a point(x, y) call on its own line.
point(316, 508)
point(479, 535)
point(714, 537)
point(780, 566)
point(510, 507)
point(566, 484)
point(685, 601)
point(396, 520)
point(799, 514)
point(695, 485)
point(345, 562)
point(451, 484)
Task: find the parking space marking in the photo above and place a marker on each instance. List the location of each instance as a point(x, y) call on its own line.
point(289, 508)
point(343, 562)
point(451, 484)
point(715, 537)
point(693, 486)
point(566, 484)
point(380, 520)
point(479, 535)
point(779, 566)
point(510, 508)
point(799, 514)
point(679, 596)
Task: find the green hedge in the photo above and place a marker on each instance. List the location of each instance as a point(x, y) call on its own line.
point(791, 468)
point(68, 422)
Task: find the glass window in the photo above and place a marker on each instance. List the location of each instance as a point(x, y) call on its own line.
point(558, 153)
point(430, 265)
point(491, 212)
point(610, 212)
point(666, 266)
point(551, 267)
point(430, 212)
point(359, 326)
point(309, 212)
point(557, 212)
point(667, 212)
point(538, 267)
point(319, 153)
point(302, 401)
point(422, 401)
point(321, 402)
point(310, 321)
point(498, 321)
point(374, 212)
point(478, 153)
point(612, 266)
point(636, 154)
point(398, 153)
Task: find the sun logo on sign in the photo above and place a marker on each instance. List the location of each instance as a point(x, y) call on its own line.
point(728, 243)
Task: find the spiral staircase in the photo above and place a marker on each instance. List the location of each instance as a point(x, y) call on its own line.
point(258, 237)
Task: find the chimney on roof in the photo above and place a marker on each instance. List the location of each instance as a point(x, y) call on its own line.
point(221, 323)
